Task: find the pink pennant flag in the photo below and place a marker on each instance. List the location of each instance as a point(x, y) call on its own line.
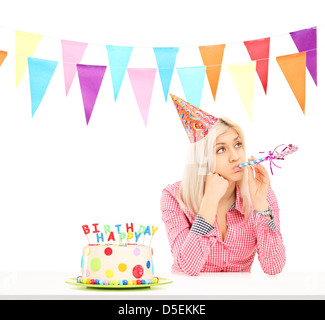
point(90, 79)
point(72, 53)
point(142, 81)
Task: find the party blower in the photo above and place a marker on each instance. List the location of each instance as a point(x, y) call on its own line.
point(272, 155)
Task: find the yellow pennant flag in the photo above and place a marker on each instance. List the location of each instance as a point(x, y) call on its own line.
point(293, 67)
point(26, 44)
point(243, 76)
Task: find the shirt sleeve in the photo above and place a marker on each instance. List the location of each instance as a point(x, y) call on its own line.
point(270, 247)
point(190, 243)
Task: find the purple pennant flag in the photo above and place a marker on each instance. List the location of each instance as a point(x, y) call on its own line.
point(90, 79)
point(306, 40)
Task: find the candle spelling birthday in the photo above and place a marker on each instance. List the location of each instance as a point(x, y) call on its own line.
point(121, 233)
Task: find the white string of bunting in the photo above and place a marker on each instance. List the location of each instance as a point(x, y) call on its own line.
point(293, 67)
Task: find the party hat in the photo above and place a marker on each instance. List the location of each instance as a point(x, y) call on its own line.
point(196, 122)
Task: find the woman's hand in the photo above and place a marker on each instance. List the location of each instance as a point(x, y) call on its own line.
point(258, 185)
point(215, 188)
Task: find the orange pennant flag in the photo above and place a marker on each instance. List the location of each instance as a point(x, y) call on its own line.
point(212, 58)
point(293, 67)
point(3, 55)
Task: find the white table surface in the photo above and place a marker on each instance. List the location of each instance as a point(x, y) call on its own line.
point(206, 286)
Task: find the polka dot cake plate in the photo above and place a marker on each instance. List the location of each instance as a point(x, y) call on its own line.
point(162, 281)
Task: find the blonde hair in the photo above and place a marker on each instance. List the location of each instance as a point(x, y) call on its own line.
point(200, 161)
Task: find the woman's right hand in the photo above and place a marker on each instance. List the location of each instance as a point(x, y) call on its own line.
point(215, 188)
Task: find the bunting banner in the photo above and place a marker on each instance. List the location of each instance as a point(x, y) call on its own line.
point(306, 40)
point(293, 67)
point(212, 58)
point(3, 55)
point(192, 80)
point(90, 80)
point(26, 44)
point(118, 57)
point(72, 53)
point(166, 58)
point(259, 51)
point(142, 81)
point(40, 75)
point(243, 76)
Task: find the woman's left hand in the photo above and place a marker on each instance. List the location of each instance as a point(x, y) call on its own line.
point(258, 185)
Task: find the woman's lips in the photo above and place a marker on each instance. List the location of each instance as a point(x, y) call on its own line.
point(236, 168)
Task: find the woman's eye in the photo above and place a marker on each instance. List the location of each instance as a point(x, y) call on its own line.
point(220, 150)
point(239, 144)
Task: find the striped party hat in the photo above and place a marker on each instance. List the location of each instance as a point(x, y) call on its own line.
point(196, 122)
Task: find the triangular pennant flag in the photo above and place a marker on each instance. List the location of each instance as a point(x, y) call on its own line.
point(259, 50)
point(3, 55)
point(192, 80)
point(142, 81)
point(166, 58)
point(212, 58)
point(26, 44)
point(306, 40)
point(90, 80)
point(72, 53)
point(293, 67)
point(40, 75)
point(118, 57)
point(243, 76)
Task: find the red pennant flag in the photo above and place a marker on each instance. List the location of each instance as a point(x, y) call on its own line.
point(259, 50)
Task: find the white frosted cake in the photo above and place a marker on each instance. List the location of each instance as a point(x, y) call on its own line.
point(117, 264)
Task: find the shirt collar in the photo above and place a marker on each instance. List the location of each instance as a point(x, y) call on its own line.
point(238, 204)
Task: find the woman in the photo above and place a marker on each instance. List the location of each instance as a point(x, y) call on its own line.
point(219, 216)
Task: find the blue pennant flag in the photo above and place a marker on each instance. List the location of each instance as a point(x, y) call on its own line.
point(40, 75)
point(192, 80)
point(166, 58)
point(118, 57)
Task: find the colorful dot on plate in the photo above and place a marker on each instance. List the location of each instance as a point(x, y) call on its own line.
point(136, 251)
point(115, 282)
point(122, 267)
point(148, 264)
point(108, 251)
point(95, 264)
point(106, 282)
point(125, 282)
point(110, 282)
point(137, 271)
point(109, 273)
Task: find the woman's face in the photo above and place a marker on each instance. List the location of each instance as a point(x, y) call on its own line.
point(229, 154)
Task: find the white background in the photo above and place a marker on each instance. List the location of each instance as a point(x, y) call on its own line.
point(57, 173)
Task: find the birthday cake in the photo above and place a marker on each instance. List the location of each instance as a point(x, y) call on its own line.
point(117, 264)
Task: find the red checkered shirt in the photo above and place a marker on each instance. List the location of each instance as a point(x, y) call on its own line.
point(197, 246)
